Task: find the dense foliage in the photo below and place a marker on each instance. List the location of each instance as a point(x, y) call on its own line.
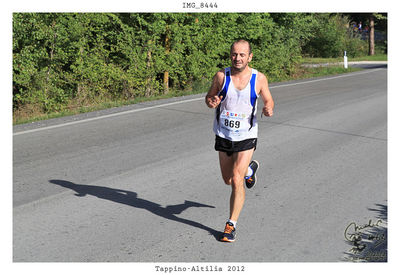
point(72, 59)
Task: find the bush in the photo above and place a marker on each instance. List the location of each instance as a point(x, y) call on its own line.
point(60, 58)
point(356, 47)
point(332, 36)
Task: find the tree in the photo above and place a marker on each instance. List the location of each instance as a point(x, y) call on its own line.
point(371, 34)
point(373, 21)
point(73, 59)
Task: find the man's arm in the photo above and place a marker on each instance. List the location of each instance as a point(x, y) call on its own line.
point(269, 104)
point(212, 99)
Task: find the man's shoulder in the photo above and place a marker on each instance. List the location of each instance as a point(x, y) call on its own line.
point(261, 77)
point(222, 71)
point(220, 74)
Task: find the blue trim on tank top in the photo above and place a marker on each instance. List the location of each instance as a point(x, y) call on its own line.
point(226, 86)
point(253, 94)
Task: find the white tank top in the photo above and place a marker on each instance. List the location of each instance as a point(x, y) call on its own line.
point(235, 117)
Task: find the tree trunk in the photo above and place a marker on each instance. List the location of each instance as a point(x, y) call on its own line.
point(148, 84)
point(371, 35)
point(166, 80)
point(53, 45)
point(167, 50)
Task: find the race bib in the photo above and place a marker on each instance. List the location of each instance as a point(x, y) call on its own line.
point(233, 124)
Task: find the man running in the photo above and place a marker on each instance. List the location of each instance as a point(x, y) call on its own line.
point(233, 93)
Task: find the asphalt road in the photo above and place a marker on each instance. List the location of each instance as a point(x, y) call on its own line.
point(142, 183)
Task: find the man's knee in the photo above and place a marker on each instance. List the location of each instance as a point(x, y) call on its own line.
point(232, 179)
point(228, 180)
point(237, 181)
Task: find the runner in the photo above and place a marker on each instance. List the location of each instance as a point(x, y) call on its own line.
point(234, 94)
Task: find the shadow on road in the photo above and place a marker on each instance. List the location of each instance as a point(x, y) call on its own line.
point(130, 198)
point(370, 66)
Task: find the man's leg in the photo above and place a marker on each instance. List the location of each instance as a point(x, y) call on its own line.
point(234, 169)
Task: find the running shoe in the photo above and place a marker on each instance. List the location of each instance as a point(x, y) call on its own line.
point(251, 181)
point(229, 234)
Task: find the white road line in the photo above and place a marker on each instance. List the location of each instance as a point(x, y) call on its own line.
point(323, 79)
point(177, 102)
point(104, 116)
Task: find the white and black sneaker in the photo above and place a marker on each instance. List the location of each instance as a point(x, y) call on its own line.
point(252, 180)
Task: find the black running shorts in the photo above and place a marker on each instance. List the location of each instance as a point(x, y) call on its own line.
point(225, 145)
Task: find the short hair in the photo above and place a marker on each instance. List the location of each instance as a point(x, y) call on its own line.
point(242, 41)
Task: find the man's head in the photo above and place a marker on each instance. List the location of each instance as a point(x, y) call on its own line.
point(241, 54)
point(242, 41)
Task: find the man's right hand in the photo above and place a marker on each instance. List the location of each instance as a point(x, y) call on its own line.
point(213, 101)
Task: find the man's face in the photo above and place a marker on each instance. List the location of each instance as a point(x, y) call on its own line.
point(240, 56)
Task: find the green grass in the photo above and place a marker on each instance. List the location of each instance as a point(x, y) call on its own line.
point(324, 71)
point(198, 88)
point(317, 60)
point(107, 104)
point(377, 57)
point(94, 107)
